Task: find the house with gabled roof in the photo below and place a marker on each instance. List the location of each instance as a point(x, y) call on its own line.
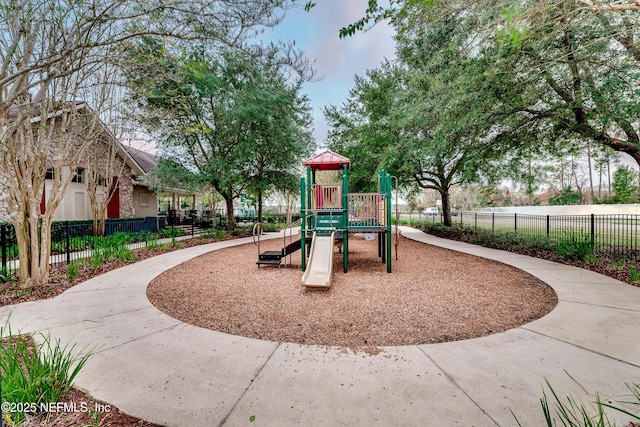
point(130, 196)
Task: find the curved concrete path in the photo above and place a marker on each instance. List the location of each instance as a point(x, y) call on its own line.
point(160, 369)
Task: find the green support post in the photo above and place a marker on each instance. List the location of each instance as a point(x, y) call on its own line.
point(310, 182)
point(345, 221)
point(303, 213)
point(382, 236)
point(388, 221)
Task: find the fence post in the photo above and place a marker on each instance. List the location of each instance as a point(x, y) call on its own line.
point(3, 243)
point(193, 227)
point(515, 222)
point(593, 230)
point(68, 241)
point(547, 226)
point(475, 225)
point(493, 222)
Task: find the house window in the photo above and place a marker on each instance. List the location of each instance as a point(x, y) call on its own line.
point(144, 199)
point(49, 174)
point(78, 176)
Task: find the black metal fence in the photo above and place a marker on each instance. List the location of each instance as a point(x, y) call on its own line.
point(72, 240)
point(617, 235)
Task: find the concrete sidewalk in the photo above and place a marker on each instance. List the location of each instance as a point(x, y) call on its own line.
point(157, 368)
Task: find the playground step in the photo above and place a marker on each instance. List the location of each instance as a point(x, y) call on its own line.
point(269, 262)
point(270, 255)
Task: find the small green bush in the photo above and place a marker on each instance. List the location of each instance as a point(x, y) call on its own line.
point(172, 232)
point(570, 412)
point(95, 260)
point(634, 274)
point(36, 374)
point(73, 270)
point(213, 233)
point(272, 227)
point(576, 247)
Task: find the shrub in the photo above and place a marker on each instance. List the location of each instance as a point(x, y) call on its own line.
point(172, 232)
point(36, 374)
point(273, 226)
point(576, 247)
point(213, 233)
point(72, 270)
point(573, 413)
point(634, 274)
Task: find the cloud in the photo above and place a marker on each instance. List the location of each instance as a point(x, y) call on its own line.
point(337, 60)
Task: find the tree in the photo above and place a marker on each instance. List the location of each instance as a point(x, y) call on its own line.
point(602, 160)
point(231, 122)
point(364, 128)
point(104, 163)
point(565, 70)
point(104, 167)
point(280, 125)
point(529, 171)
point(51, 52)
point(624, 189)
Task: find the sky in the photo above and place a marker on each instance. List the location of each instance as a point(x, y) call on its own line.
point(336, 61)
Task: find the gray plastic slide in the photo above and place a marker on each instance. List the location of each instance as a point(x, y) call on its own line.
point(320, 267)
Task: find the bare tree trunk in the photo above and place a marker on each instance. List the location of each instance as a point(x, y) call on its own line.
point(259, 206)
point(290, 201)
point(600, 181)
point(609, 176)
point(593, 194)
point(231, 220)
point(103, 162)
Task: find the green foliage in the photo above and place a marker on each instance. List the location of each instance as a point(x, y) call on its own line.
point(95, 260)
point(623, 185)
point(152, 241)
point(576, 247)
point(567, 196)
point(634, 274)
point(36, 374)
point(273, 227)
point(73, 270)
point(618, 264)
point(172, 232)
point(114, 246)
point(526, 78)
point(568, 411)
point(425, 120)
point(12, 251)
point(213, 233)
point(226, 121)
point(510, 241)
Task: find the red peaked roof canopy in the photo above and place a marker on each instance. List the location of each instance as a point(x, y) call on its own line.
point(327, 161)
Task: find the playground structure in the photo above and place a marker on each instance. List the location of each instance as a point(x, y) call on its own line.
point(328, 214)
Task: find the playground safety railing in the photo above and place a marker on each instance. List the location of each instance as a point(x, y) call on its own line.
point(289, 228)
point(366, 210)
point(257, 233)
point(326, 197)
